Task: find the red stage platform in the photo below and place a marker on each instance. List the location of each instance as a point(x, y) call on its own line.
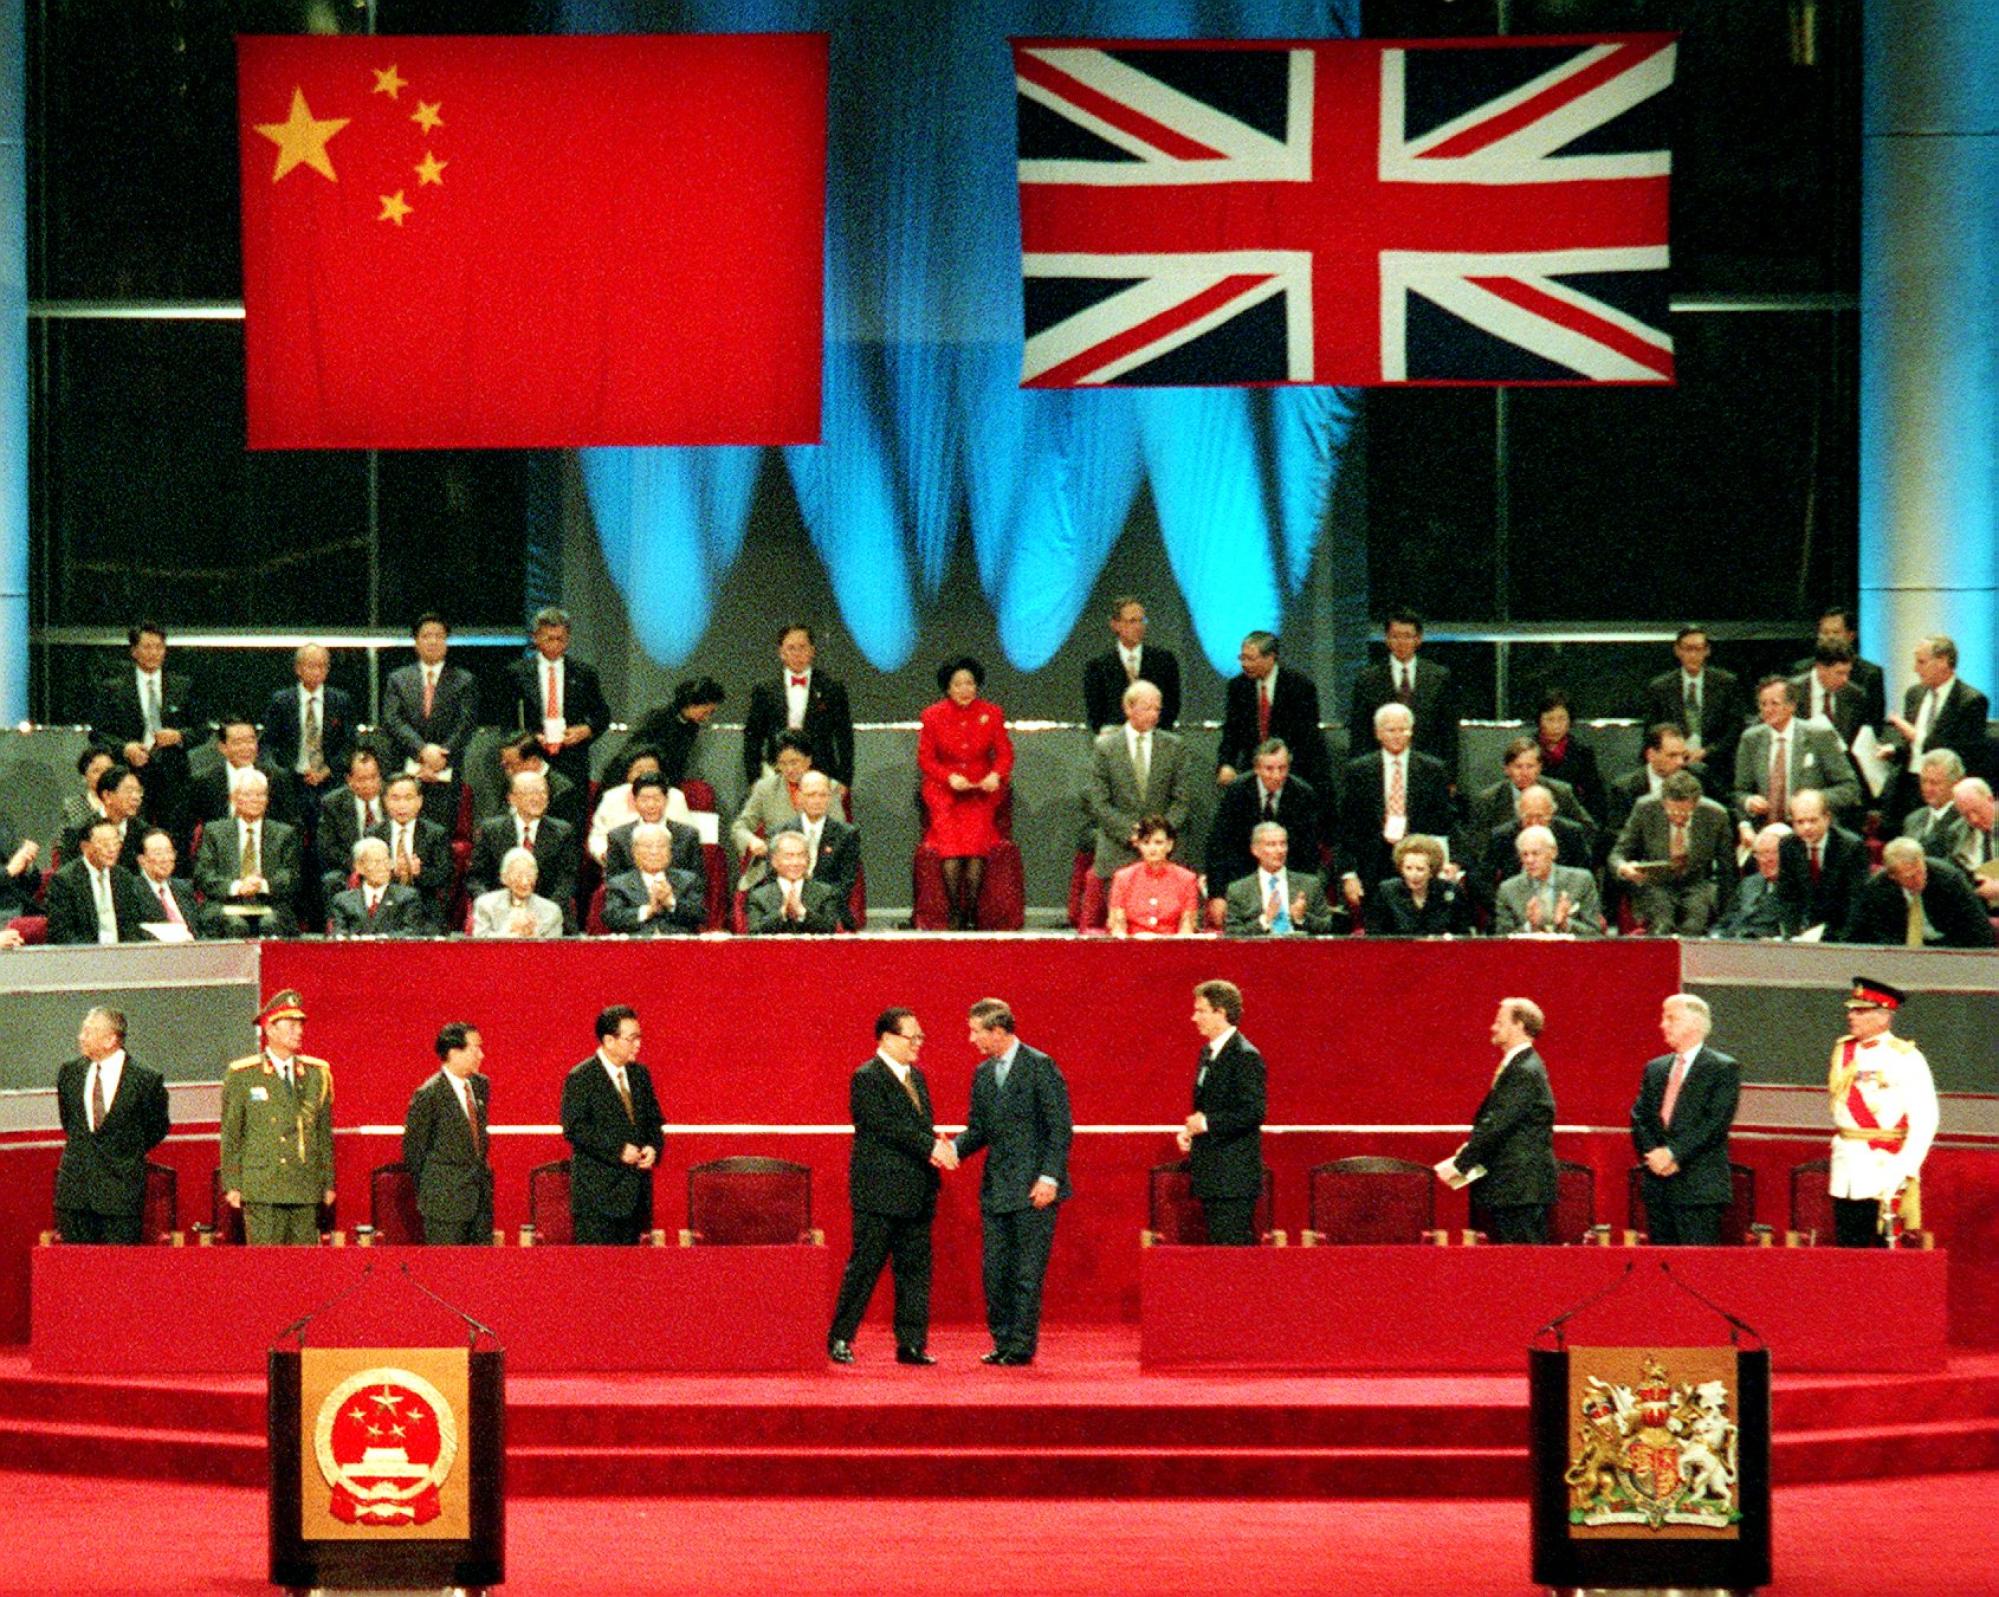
point(1463, 1309)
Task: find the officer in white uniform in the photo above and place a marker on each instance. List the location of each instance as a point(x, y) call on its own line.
point(1884, 1115)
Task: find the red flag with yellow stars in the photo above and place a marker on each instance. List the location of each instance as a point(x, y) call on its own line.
point(532, 242)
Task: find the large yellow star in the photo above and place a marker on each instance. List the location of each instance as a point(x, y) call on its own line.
point(388, 82)
point(426, 114)
point(430, 170)
point(394, 208)
point(301, 139)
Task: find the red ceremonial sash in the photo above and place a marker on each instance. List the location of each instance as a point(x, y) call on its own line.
point(1863, 1117)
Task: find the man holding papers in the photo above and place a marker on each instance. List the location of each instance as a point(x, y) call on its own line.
point(1510, 1154)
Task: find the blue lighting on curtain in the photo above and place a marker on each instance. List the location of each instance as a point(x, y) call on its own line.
point(927, 435)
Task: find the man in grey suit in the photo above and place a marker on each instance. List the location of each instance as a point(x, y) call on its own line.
point(1135, 770)
point(247, 870)
point(1935, 822)
point(1690, 834)
point(1020, 1116)
point(431, 709)
point(1812, 756)
point(445, 1143)
point(1276, 901)
point(515, 909)
point(653, 899)
point(1546, 897)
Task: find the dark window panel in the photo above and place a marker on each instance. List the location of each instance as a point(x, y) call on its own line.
point(1430, 491)
point(453, 529)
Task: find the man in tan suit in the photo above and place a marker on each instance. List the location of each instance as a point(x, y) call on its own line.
point(1135, 770)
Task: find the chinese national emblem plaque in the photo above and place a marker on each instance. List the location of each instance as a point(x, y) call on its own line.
point(382, 1443)
point(1653, 1445)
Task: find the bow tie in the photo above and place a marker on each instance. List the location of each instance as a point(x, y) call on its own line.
point(799, 682)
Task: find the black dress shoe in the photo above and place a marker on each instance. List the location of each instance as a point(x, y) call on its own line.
point(840, 1352)
point(1013, 1360)
point(994, 1357)
point(912, 1355)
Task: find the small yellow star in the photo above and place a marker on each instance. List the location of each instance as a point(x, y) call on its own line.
point(425, 115)
point(301, 139)
point(430, 170)
point(394, 209)
point(386, 82)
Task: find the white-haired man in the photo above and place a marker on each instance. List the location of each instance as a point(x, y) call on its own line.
point(1679, 1125)
point(1546, 897)
point(515, 909)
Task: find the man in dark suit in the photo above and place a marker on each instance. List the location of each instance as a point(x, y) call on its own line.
point(18, 876)
point(1939, 711)
point(1840, 624)
point(1664, 753)
point(94, 899)
point(1223, 1137)
point(788, 900)
point(380, 906)
point(1129, 660)
point(419, 849)
point(1275, 795)
point(346, 814)
point(1499, 802)
point(649, 794)
point(1762, 910)
point(1268, 701)
point(148, 718)
point(81, 805)
point(1920, 902)
point(801, 698)
point(1388, 795)
point(247, 870)
point(526, 823)
point(1500, 858)
point(1513, 1134)
point(1020, 1116)
point(445, 1143)
point(1935, 823)
point(1706, 704)
point(1826, 691)
point(1679, 1125)
point(166, 898)
point(121, 800)
point(832, 846)
point(1423, 685)
point(892, 1184)
point(559, 698)
point(114, 1112)
point(1821, 866)
point(209, 798)
point(652, 899)
point(614, 1127)
point(430, 710)
point(309, 734)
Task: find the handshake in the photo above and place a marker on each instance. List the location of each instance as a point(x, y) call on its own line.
point(944, 1154)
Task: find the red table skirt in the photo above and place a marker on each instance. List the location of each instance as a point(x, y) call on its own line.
point(1476, 1308)
point(160, 1311)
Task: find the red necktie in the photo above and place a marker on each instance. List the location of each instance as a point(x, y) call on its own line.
point(527, 837)
point(429, 694)
point(167, 903)
point(1815, 862)
point(472, 1116)
point(1263, 710)
point(374, 903)
point(553, 709)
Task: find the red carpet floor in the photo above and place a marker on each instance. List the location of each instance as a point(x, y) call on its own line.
point(1929, 1536)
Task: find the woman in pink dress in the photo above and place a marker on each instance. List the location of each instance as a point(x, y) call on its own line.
point(966, 760)
point(1154, 897)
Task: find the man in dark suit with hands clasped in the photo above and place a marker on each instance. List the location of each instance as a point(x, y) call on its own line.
point(1679, 1125)
point(612, 1121)
point(1223, 1137)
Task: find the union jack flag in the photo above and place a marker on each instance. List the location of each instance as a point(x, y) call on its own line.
point(1356, 212)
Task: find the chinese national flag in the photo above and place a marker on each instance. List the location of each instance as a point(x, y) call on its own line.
point(532, 242)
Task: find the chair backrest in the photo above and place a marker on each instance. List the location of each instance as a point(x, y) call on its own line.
point(227, 1223)
point(1740, 1214)
point(1373, 1200)
point(1175, 1214)
point(739, 912)
point(1811, 1198)
point(461, 826)
point(392, 1204)
point(593, 921)
point(749, 1201)
point(1574, 1214)
point(700, 795)
point(548, 1202)
point(160, 1216)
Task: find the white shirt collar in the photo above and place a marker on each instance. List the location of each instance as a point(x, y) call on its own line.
point(109, 1069)
point(1515, 1052)
point(1129, 656)
point(1007, 1058)
point(614, 1071)
point(896, 1069)
point(1217, 1044)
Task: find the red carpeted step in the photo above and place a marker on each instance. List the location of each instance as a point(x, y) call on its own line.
point(135, 1453)
point(1884, 1451)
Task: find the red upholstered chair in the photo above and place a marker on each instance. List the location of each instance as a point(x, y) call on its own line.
point(548, 1203)
point(739, 913)
point(1736, 1219)
point(1096, 905)
point(392, 1204)
point(700, 795)
point(225, 1225)
point(593, 919)
point(1370, 1200)
point(1002, 898)
point(1080, 872)
point(1811, 1200)
point(33, 928)
point(750, 1202)
point(1174, 1214)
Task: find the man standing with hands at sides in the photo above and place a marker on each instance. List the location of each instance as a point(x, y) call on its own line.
point(1223, 1137)
point(892, 1184)
point(1884, 1117)
point(1511, 1151)
point(1679, 1125)
point(1020, 1116)
point(445, 1146)
point(612, 1121)
point(277, 1131)
point(114, 1113)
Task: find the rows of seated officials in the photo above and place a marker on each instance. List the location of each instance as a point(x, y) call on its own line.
point(1747, 817)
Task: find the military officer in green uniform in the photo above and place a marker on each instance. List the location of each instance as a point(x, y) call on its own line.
point(277, 1130)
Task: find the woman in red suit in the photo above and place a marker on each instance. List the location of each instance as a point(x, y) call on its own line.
point(966, 761)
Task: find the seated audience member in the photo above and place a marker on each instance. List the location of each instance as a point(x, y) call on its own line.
point(616, 806)
point(1275, 795)
point(1499, 804)
point(1153, 897)
point(419, 849)
point(10, 937)
point(1706, 704)
point(1665, 752)
point(1407, 679)
point(1388, 795)
point(1135, 770)
point(309, 734)
point(94, 899)
point(18, 876)
point(652, 898)
point(671, 730)
point(242, 754)
point(1501, 856)
point(82, 807)
point(832, 845)
point(346, 815)
point(1689, 835)
point(1131, 659)
point(514, 908)
point(1977, 848)
point(771, 804)
point(1919, 902)
point(649, 796)
point(527, 824)
point(1782, 755)
point(966, 760)
point(120, 798)
point(1277, 901)
point(1825, 691)
point(1546, 897)
point(800, 698)
point(1425, 898)
point(1565, 757)
point(247, 870)
point(1267, 700)
point(789, 901)
point(566, 801)
point(381, 906)
point(1823, 866)
point(1935, 822)
point(1762, 911)
point(167, 899)
point(558, 702)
